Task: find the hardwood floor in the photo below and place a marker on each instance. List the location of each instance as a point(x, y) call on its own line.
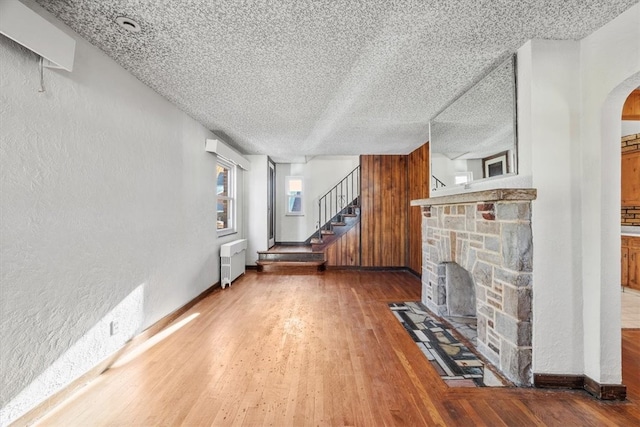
point(323, 349)
point(630, 308)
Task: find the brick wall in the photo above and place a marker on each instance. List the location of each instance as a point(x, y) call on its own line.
point(630, 215)
point(631, 143)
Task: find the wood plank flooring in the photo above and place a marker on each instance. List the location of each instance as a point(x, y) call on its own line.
point(324, 349)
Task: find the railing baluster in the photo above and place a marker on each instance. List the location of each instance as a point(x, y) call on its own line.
point(320, 220)
point(340, 198)
point(351, 198)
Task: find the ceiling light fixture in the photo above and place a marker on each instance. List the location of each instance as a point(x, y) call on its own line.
point(128, 24)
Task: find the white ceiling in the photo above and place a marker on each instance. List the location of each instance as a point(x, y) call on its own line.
point(300, 77)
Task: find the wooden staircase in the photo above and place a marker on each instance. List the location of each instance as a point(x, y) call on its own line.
point(291, 259)
point(337, 227)
point(338, 212)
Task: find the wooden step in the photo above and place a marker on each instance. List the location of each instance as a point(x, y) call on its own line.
point(290, 266)
point(327, 232)
point(338, 223)
point(291, 256)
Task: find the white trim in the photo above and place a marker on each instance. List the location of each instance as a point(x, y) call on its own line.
point(300, 196)
point(231, 197)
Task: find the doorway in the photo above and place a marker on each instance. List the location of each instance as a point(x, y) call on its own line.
point(271, 203)
point(630, 227)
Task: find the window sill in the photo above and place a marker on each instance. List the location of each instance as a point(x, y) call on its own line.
point(223, 233)
point(294, 214)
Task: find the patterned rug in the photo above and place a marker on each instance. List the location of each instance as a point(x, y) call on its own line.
point(455, 363)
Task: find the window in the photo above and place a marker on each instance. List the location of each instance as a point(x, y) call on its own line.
point(294, 191)
point(226, 192)
point(463, 177)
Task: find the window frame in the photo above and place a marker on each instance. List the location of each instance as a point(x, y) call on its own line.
point(300, 196)
point(230, 198)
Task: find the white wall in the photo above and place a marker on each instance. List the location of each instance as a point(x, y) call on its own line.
point(320, 174)
point(609, 71)
point(255, 191)
point(108, 212)
point(446, 169)
point(549, 80)
point(475, 167)
point(630, 127)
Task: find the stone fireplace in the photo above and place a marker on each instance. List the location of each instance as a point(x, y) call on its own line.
point(478, 246)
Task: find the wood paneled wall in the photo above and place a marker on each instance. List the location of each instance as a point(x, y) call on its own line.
point(384, 210)
point(390, 230)
point(419, 187)
point(346, 250)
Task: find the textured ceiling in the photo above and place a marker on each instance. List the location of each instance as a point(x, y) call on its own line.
point(299, 77)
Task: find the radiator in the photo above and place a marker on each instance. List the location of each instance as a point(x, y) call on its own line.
point(232, 261)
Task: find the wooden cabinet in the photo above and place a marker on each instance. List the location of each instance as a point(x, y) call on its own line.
point(631, 262)
point(625, 265)
point(631, 179)
point(631, 108)
point(634, 266)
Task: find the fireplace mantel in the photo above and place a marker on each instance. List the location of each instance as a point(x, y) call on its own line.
point(500, 194)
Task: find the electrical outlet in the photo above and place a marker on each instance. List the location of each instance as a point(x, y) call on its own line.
point(114, 327)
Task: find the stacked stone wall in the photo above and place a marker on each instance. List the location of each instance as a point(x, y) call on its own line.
point(491, 240)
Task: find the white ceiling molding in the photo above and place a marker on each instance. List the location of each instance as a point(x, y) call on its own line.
point(223, 150)
point(26, 27)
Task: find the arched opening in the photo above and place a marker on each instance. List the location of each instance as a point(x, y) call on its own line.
point(630, 236)
point(611, 304)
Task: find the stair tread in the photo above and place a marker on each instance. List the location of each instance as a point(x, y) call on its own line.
point(289, 252)
point(290, 263)
point(328, 232)
point(339, 223)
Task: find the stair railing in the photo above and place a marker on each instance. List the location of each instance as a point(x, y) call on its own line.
point(438, 183)
point(342, 198)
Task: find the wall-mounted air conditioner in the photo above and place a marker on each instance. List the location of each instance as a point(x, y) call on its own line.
point(221, 149)
point(32, 31)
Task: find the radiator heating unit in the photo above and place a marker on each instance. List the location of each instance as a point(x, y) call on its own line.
point(232, 261)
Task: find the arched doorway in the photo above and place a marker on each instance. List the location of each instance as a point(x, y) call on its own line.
point(610, 352)
point(630, 254)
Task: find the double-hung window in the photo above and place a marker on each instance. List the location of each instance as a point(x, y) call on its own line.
point(225, 197)
point(294, 191)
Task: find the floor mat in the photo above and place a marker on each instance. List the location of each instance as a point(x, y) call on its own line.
point(455, 363)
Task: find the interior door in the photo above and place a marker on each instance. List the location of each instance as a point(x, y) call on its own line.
point(271, 203)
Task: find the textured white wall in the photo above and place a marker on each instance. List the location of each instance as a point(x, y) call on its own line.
point(609, 70)
point(320, 174)
point(107, 196)
point(256, 180)
point(549, 80)
point(573, 152)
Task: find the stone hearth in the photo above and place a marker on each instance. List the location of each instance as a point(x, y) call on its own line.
point(488, 234)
